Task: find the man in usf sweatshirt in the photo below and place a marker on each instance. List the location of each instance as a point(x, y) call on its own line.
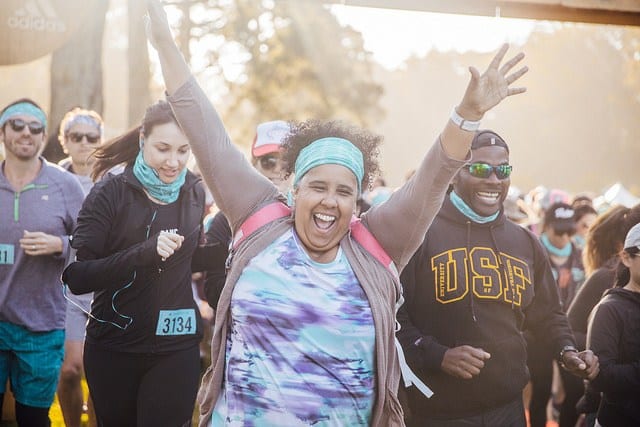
point(475, 284)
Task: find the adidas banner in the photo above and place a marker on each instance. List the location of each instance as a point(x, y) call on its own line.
point(30, 29)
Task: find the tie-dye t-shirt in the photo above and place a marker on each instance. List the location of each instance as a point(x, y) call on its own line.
point(300, 349)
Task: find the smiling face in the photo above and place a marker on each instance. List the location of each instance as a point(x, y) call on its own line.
point(166, 150)
point(484, 195)
point(325, 200)
point(22, 145)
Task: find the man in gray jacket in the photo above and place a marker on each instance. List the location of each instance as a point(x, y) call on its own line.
point(39, 204)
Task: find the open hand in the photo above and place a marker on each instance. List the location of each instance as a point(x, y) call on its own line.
point(156, 24)
point(487, 90)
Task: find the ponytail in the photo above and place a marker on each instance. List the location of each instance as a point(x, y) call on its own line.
point(120, 150)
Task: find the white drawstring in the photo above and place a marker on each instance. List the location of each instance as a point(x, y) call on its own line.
point(407, 374)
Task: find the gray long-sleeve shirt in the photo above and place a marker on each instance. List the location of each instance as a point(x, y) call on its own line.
point(30, 287)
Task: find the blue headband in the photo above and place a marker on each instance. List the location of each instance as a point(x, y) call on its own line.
point(23, 108)
point(83, 119)
point(331, 150)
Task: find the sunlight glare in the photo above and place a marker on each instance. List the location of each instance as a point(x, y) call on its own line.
point(395, 35)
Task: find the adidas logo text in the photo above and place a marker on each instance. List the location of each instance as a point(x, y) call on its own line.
point(37, 15)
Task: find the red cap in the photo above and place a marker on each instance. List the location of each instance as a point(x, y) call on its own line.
point(269, 137)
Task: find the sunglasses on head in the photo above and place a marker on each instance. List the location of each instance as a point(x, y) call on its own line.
point(268, 162)
point(561, 231)
point(484, 170)
point(18, 126)
point(77, 137)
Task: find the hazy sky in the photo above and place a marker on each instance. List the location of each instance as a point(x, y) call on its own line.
point(393, 35)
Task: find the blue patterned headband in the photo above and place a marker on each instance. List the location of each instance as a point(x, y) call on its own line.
point(331, 150)
point(83, 119)
point(23, 108)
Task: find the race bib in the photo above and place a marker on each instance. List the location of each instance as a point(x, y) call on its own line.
point(176, 322)
point(6, 254)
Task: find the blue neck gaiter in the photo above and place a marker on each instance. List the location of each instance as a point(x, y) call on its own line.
point(559, 252)
point(468, 212)
point(148, 177)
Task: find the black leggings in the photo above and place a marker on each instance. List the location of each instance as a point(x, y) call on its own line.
point(573, 391)
point(29, 416)
point(540, 362)
point(131, 389)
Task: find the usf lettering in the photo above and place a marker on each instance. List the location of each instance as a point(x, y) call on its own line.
point(490, 276)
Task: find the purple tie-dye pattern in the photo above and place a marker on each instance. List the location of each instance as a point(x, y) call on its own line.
point(300, 350)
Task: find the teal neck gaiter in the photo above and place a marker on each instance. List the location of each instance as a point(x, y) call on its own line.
point(559, 252)
point(468, 212)
point(148, 177)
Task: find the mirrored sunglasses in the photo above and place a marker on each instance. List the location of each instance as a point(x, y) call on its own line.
point(18, 125)
point(268, 162)
point(77, 137)
point(484, 170)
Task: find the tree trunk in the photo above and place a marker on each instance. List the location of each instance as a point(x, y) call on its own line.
point(76, 74)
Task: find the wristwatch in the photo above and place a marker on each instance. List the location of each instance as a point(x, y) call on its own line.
point(462, 123)
point(565, 349)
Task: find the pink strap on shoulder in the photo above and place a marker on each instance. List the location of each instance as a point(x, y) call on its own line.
point(262, 216)
point(363, 236)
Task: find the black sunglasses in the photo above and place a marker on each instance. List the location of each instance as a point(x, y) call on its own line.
point(268, 162)
point(18, 126)
point(92, 138)
point(484, 170)
point(561, 231)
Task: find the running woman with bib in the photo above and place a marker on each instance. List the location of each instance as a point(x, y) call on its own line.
point(136, 236)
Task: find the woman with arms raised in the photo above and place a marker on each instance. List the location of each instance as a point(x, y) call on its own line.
point(304, 330)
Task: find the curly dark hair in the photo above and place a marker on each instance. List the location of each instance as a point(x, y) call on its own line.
point(304, 133)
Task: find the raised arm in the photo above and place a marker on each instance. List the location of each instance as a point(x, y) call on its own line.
point(223, 167)
point(175, 70)
point(483, 92)
point(416, 203)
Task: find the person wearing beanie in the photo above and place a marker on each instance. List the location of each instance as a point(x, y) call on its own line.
point(474, 285)
point(266, 158)
point(613, 336)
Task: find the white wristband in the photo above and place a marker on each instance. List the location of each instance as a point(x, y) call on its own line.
point(462, 123)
